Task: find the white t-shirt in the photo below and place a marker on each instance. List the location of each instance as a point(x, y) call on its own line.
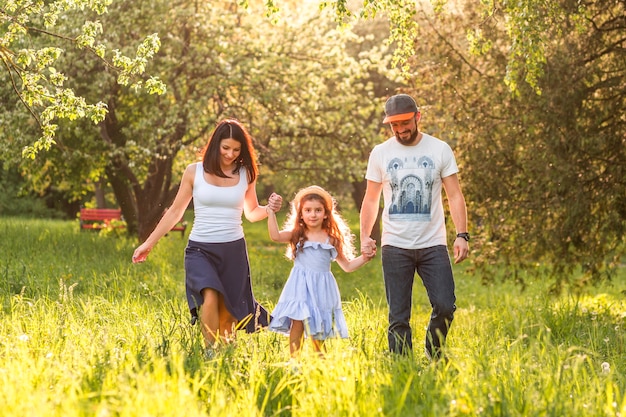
point(217, 210)
point(413, 216)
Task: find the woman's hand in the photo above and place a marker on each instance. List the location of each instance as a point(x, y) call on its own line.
point(141, 253)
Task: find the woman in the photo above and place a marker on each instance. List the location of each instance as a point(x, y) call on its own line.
point(223, 186)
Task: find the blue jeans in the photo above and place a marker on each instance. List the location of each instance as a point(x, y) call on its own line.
point(434, 268)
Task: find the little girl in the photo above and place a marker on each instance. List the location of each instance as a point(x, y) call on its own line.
point(310, 302)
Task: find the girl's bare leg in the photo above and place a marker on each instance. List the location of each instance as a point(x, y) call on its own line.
point(296, 334)
point(318, 346)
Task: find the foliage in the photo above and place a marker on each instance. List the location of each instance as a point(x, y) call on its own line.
point(31, 70)
point(85, 332)
point(527, 24)
point(565, 164)
point(17, 202)
point(30, 48)
point(19, 199)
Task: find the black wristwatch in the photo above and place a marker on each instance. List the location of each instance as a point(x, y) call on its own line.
point(465, 236)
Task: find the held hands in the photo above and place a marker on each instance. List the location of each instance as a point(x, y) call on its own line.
point(368, 248)
point(274, 203)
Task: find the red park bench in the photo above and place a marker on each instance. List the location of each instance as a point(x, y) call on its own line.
point(99, 218)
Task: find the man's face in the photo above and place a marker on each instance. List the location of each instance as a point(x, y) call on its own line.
point(405, 130)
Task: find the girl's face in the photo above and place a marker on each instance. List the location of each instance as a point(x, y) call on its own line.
point(313, 213)
point(230, 149)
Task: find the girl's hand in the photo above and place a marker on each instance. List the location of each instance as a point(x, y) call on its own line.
point(370, 254)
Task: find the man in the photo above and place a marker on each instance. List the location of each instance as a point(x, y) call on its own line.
point(410, 169)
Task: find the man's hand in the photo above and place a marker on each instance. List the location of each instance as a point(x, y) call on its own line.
point(461, 250)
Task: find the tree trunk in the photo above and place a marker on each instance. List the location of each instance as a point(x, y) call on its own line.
point(125, 198)
point(99, 194)
point(142, 205)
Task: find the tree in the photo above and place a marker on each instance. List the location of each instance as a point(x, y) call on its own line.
point(30, 48)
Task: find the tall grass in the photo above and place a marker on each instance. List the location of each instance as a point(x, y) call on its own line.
point(83, 332)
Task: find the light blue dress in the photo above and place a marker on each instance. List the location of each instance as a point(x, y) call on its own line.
point(311, 295)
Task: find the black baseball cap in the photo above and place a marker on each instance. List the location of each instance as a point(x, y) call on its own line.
point(400, 107)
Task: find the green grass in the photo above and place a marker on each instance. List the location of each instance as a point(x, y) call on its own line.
point(83, 332)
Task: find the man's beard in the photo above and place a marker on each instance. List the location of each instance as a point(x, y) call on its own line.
point(410, 140)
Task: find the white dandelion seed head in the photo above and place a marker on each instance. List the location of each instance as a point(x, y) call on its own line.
point(606, 367)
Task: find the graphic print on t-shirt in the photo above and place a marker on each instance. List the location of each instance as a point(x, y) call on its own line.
point(411, 188)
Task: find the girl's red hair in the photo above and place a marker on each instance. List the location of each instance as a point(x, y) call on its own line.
point(334, 224)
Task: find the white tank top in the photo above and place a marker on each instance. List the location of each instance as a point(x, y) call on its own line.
point(217, 210)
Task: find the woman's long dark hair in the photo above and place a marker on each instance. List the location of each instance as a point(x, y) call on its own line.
point(226, 129)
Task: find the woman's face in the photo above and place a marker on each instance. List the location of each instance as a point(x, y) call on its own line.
point(230, 149)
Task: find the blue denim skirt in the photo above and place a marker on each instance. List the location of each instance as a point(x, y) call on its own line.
point(225, 268)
